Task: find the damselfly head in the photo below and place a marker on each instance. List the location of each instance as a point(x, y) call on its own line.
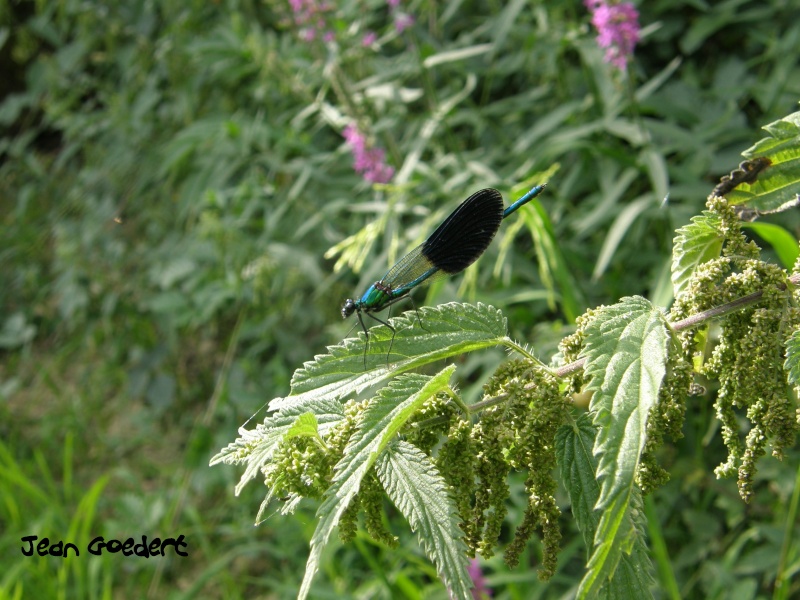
point(349, 308)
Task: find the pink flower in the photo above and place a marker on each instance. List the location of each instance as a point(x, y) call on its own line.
point(402, 21)
point(480, 591)
point(311, 18)
point(617, 27)
point(393, 3)
point(367, 162)
point(369, 39)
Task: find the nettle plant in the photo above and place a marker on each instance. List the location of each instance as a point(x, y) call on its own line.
point(349, 437)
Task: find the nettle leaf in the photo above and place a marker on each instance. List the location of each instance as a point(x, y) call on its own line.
point(696, 243)
point(626, 354)
point(305, 425)
point(777, 185)
point(633, 576)
point(792, 364)
point(447, 330)
point(574, 443)
point(391, 408)
point(256, 446)
point(420, 493)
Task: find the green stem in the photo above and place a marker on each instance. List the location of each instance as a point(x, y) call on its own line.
point(457, 399)
point(660, 552)
point(524, 351)
point(782, 579)
point(689, 322)
point(561, 372)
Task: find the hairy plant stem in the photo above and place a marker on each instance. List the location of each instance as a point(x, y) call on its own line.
point(686, 323)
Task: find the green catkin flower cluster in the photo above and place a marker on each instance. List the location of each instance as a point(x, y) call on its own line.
point(490, 438)
point(338, 436)
point(747, 360)
point(736, 244)
point(299, 466)
point(570, 347)
point(665, 418)
point(455, 462)
point(425, 438)
point(303, 467)
point(526, 424)
point(370, 496)
point(795, 324)
point(348, 522)
point(536, 453)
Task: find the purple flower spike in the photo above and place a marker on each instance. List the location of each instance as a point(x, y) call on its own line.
point(311, 18)
point(617, 27)
point(367, 162)
point(480, 591)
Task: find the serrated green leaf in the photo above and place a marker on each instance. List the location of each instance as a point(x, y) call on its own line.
point(779, 184)
point(304, 426)
point(701, 342)
point(696, 243)
point(256, 446)
point(792, 363)
point(578, 465)
point(393, 406)
point(626, 354)
point(447, 330)
point(420, 493)
point(786, 128)
point(633, 576)
point(783, 242)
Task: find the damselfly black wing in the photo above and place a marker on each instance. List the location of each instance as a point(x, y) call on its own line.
point(466, 233)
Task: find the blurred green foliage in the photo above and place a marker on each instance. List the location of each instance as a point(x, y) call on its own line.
point(172, 175)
